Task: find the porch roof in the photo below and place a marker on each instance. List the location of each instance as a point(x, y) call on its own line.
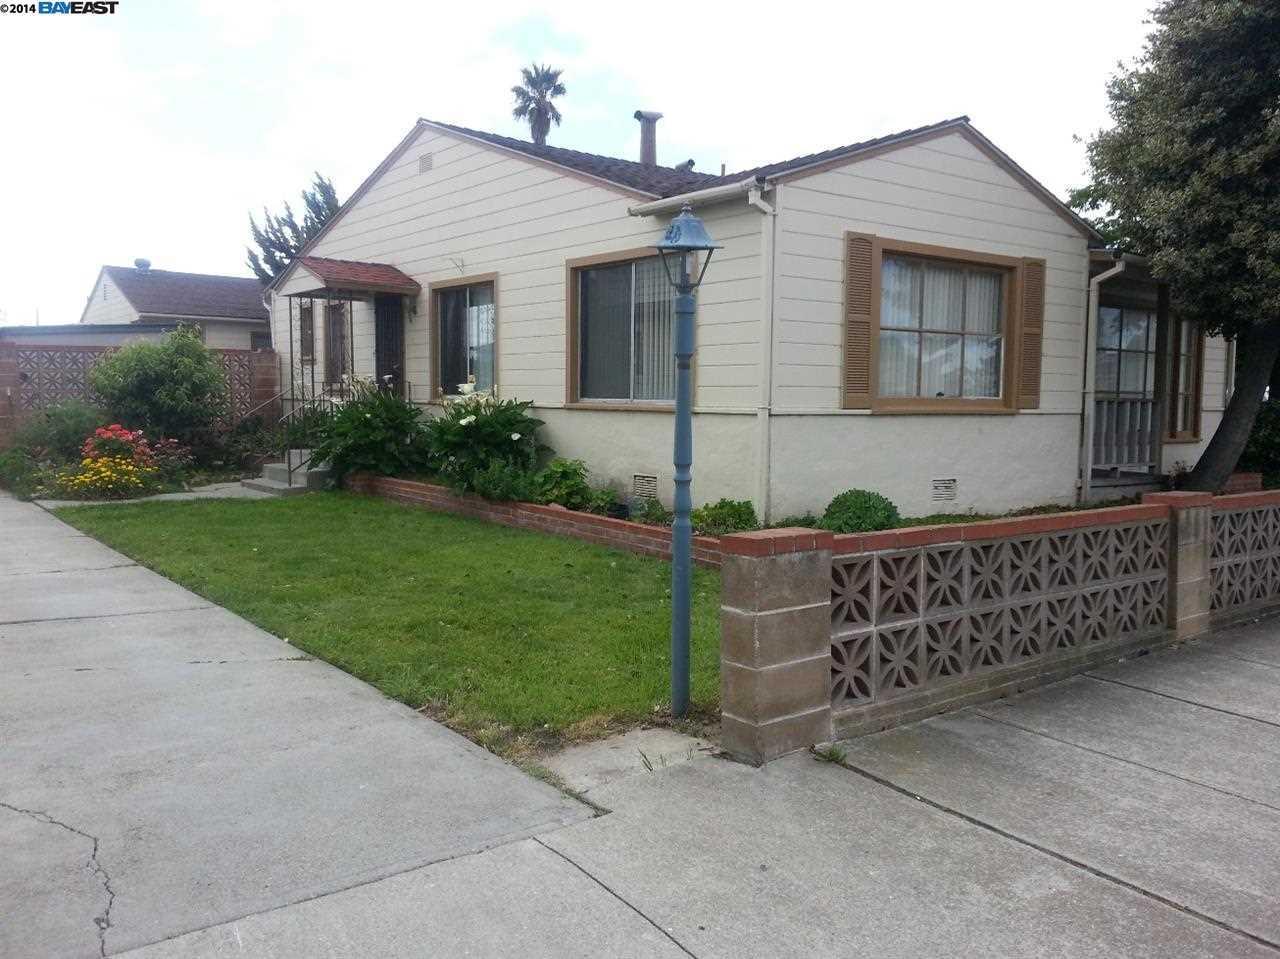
point(344, 275)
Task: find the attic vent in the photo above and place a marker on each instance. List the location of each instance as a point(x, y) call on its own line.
point(944, 489)
point(424, 163)
point(644, 486)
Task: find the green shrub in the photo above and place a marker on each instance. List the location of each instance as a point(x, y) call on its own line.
point(20, 473)
point(502, 483)
point(804, 521)
point(474, 436)
point(725, 516)
point(652, 511)
point(57, 432)
point(376, 431)
point(564, 482)
point(859, 511)
point(1262, 452)
point(604, 501)
point(174, 388)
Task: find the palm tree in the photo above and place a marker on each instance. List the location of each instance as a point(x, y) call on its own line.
point(533, 100)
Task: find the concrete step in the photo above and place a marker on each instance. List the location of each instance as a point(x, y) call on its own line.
point(312, 478)
point(276, 488)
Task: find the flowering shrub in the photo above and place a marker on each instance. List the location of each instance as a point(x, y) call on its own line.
point(479, 434)
point(172, 388)
point(171, 459)
point(116, 441)
point(111, 476)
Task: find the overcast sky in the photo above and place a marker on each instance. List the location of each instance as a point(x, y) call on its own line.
point(153, 132)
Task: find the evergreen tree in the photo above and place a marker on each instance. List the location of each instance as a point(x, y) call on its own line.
point(1189, 176)
point(281, 237)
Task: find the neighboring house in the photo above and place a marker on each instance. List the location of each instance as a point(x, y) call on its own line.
point(906, 314)
point(73, 334)
point(228, 310)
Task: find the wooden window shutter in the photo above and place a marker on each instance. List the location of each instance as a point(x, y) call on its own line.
point(859, 318)
point(1031, 334)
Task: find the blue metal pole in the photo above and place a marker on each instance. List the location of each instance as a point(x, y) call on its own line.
point(682, 526)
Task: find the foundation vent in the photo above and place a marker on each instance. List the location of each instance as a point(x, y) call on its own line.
point(424, 163)
point(944, 490)
point(644, 486)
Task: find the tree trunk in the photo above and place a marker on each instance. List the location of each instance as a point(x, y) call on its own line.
point(1274, 385)
point(1256, 356)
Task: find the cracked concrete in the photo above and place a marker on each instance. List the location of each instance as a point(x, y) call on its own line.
point(102, 921)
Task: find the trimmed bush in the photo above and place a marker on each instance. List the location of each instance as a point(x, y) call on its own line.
point(860, 511)
point(174, 388)
point(725, 516)
point(376, 431)
point(57, 432)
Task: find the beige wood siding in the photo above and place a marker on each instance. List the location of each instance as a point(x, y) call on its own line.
point(113, 309)
point(944, 192)
point(480, 211)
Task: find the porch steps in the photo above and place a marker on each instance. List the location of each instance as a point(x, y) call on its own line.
point(275, 476)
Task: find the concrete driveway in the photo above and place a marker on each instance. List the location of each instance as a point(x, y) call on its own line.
point(176, 783)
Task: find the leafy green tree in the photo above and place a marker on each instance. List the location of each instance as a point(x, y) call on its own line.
point(1189, 176)
point(174, 388)
point(540, 85)
point(281, 237)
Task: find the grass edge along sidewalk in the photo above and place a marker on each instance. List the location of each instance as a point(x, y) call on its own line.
point(519, 640)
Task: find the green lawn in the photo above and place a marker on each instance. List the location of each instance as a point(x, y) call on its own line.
point(507, 635)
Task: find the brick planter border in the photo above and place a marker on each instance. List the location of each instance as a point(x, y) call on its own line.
point(602, 530)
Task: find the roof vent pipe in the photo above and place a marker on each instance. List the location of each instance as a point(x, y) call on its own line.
point(648, 136)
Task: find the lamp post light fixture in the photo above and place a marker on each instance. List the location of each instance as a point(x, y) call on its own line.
point(685, 238)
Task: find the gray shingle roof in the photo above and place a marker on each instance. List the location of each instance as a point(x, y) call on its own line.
point(655, 180)
point(663, 181)
point(166, 293)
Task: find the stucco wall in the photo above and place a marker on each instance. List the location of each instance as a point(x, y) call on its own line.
point(618, 445)
point(1000, 462)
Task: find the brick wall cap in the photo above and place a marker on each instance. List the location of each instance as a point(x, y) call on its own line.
point(1179, 499)
point(774, 542)
point(1232, 501)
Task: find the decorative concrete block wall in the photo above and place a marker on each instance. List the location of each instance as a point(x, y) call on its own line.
point(1244, 557)
point(825, 638)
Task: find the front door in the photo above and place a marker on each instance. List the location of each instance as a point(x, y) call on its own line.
point(388, 313)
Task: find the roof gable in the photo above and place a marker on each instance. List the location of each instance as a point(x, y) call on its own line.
point(168, 293)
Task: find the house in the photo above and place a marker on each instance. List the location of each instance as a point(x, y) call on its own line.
point(228, 310)
point(913, 314)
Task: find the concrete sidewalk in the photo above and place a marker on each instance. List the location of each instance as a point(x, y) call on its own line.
point(264, 804)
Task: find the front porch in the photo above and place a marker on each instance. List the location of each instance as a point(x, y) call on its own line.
point(345, 320)
point(1144, 376)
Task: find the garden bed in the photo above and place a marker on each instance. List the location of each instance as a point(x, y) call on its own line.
point(634, 537)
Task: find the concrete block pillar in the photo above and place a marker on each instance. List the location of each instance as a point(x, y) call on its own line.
point(1190, 541)
point(775, 642)
point(8, 392)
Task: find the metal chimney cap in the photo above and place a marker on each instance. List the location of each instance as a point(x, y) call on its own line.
point(647, 115)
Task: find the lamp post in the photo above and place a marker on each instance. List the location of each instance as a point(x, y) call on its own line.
point(684, 237)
